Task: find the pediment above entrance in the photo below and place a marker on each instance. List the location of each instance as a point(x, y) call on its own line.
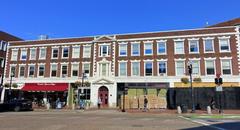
point(104, 38)
point(103, 81)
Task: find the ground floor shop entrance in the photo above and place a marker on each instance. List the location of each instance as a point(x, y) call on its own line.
point(156, 94)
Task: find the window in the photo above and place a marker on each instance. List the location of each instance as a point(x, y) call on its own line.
point(13, 71)
point(1, 62)
point(65, 52)
point(85, 93)
point(64, 71)
point(23, 54)
point(103, 69)
point(32, 54)
point(86, 68)
point(14, 55)
point(208, 45)
point(75, 68)
point(75, 52)
point(135, 49)
point(135, 68)
point(41, 70)
point(161, 47)
point(86, 51)
point(21, 71)
point(179, 47)
point(148, 69)
point(148, 49)
point(31, 71)
point(54, 70)
point(123, 69)
point(3, 45)
point(226, 67)
point(104, 50)
point(195, 67)
point(122, 49)
point(224, 45)
point(210, 67)
point(162, 67)
point(193, 46)
point(180, 69)
point(42, 54)
point(54, 53)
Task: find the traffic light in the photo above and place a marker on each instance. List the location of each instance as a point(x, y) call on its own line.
point(218, 81)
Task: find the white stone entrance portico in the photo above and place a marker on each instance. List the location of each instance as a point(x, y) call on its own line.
point(112, 91)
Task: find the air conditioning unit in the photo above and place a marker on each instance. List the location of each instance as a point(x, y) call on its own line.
point(64, 75)
point(161, 74)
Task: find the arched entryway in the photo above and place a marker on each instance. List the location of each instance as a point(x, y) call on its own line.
point(103, 94)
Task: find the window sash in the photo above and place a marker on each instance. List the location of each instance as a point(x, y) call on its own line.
point(179, 47)
point(135, 49)
point(123, 49)
point(65, 52)
point(87, 51)
point(21, 71)
point(135, 68)
point(210, 68)
point(55, 53)
point(226, 66)
point(64, 70)
point(14, 54)
point(76, 52)
point(123, 69)
point(53, 70)
point(13, 71)
point(148, 48)
point(208, 45)
point(32, 54)
point(161, 48)
point(148, 69)
point(162, 68)
point(180, 70)
point(75, 68)
point(224, 45)
point(193, 46)
point(23, 54)
point(31, 71)
point(41, 70)
point(86, 68)
point(42, 53)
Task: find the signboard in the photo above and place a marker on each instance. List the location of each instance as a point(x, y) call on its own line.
point(219, 88)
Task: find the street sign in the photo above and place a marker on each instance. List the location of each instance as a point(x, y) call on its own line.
point(219, 88)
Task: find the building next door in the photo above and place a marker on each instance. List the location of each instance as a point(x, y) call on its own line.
point(103, 94)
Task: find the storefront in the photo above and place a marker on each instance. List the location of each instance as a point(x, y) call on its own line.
point(43, 93)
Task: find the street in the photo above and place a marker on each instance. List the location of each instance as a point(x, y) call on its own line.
point(94, 120)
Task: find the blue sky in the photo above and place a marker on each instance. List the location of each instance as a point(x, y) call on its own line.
point(75, 18)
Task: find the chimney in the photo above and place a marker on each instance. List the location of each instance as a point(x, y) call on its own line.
point(42, 37)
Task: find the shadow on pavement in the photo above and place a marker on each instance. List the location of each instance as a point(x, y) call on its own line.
point(220, 126)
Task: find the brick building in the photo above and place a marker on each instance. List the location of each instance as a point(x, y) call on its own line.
point(151, 63)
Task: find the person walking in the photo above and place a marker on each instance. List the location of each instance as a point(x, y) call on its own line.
point(145, 103)
point(99, 102)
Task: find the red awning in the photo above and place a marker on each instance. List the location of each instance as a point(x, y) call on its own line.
point(45, 87)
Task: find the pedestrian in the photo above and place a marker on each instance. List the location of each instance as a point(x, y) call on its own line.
point(145, 103)
point(99, 102)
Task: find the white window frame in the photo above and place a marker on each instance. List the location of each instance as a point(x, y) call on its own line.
point(16, 57)
point(125, 48)
point(199, 64)
point(135, 43)
point(119, 72)
point(184, 67)
point(24, 49)
point(73, 52)
point(28, 74)
point(205, 64)
point(51, 69)
point(19, 70)
point(72, 69)
point(86, 63)
point(132, 68)
point(148, 61)
point(148, 42)
point(33, 58)
point(55, 48)
point(90, 49)
point(162, 74)
point(40, 52)
point(10, 71)
point(228, 42)
point(39, 70)
point(65, 47)
point(204, 45)
point(61, 75)
point(230, 61)
point(165, 44)
point(175, 49)
point(189, 47)
point(101, 50)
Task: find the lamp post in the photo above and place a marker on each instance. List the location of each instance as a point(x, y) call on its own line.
point(10, 86)
point(219, 89)
point(192, 90)
point(124, 93)
point(80, 89)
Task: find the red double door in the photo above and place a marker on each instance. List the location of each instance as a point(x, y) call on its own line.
point(103, 94)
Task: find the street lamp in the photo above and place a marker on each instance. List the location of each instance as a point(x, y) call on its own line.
point(124, 93)
point(192, 92)
point(10, 86)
